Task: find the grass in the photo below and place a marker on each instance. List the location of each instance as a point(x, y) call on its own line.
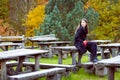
point(79, 75)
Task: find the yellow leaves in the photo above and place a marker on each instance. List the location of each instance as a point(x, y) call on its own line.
point(34, 18)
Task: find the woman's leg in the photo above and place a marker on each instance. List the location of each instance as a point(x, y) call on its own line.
point(92, 47)
point(79, 57)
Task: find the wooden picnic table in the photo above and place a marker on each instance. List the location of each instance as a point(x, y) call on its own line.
point(110, 46)
point(111, 64)
point(5, 46)
point(72, 50)
point(41, 39)
point(48, 45)
point(21, 54)
point(13, 39)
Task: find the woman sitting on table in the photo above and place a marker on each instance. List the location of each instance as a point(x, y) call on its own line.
point(83, 45)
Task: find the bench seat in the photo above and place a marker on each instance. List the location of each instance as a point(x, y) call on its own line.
point(45, 66)
point(49, 73)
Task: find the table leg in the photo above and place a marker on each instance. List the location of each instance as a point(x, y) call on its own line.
point(73, 58)
point(79, 58)
point(37, 59)
point(19, 66)
point(119, 51)
point(32, 45)
point(13, 47)
point(50, 51)
point(113, 52)
point(6, 48)
point(111, 72)
point(102, 53)
point(3, 70)
point(60, 57)
point(2, 48)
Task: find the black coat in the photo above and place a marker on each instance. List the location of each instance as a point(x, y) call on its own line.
point(80, 36)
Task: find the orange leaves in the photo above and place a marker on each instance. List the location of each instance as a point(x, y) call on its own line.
point(6, 30)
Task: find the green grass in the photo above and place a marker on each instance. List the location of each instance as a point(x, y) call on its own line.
point(79, 75)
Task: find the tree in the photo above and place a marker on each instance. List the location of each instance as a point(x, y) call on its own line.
point(64, 16)
point(17, 13)
point(109, 19)
point(4, 9)
point(6, 30)
point(34, 18)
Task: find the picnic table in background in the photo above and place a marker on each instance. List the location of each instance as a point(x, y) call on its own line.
point(48, 45)
point(5, 46)
point(21, 54)
point(13, 39)
point(44, 38)
point(110, 46)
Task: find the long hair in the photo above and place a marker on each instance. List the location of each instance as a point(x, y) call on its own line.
point(86, 27)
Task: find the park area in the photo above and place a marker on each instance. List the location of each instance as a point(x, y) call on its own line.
point(37, 39)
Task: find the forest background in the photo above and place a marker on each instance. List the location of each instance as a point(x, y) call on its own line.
point(60, 17)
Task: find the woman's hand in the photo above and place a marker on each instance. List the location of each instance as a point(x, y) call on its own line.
point(85, 42)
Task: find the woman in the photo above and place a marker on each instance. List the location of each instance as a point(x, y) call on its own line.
point(83, 45)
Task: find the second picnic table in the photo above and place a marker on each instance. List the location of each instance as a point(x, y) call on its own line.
point(48, 45)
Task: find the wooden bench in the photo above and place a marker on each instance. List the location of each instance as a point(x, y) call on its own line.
point(93, 68)
point(68, 68)
point(13, 39)
point(89, 67)
point(51, 74)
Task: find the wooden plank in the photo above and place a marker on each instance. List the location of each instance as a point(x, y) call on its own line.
point(38, 74)
point(20, 52)
point(43, 65)
point(111, 61)
point(66, 48)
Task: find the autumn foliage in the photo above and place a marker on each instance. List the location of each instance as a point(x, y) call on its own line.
point(35, 17)
point(6, 30)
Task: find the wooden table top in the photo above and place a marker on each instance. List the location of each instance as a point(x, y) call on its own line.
point(43, 39)
point(66, 48)
point(114, 61)
point(110, 45)
point(101, 41)
point(56, 42)
point(9, 44)
point(20, 52)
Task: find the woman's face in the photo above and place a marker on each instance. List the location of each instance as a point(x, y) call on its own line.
point(83, 23)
